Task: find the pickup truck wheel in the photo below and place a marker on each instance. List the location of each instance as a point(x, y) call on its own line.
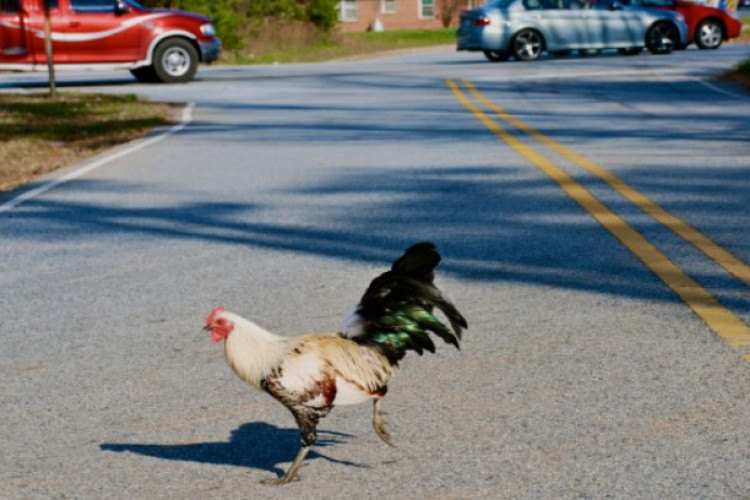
point(175, 61)
point(145, 74)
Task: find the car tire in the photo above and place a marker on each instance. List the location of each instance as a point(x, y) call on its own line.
point(630, 51)
point(175, 61)
point(709, 34)
point(145, 74)
point(589, 52)
point(497, 55)
point(527, 45)
point(662, 37)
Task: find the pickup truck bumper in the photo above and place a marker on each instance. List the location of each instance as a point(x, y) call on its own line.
point(210, 51)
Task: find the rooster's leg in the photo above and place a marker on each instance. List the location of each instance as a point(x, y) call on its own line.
point(292, 472)
point(307, 422)
point(378, 422)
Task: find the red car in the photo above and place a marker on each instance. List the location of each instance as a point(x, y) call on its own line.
point(155, 44)
point(708, 27)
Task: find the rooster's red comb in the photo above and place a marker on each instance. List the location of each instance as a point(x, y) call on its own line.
point(216, 311)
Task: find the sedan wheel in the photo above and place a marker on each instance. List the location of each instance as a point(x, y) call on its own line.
point(662, 38)
point(527, 45)
point(497, 55)
point(630, 51)
point(708, 34)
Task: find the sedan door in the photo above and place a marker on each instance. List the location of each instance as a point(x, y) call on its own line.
point(563, 27)
point(616, 26)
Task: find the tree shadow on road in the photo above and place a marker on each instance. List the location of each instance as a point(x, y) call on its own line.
point(497, 224)
point(255, 445)
point(495, 220)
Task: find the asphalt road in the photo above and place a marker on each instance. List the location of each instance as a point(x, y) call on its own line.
point(581, 375)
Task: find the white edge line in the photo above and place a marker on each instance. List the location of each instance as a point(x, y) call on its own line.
point(33, 193)
point(721, 90)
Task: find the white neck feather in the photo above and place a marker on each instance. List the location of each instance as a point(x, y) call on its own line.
point(252, 351)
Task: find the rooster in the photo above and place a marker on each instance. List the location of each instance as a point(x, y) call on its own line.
point(313, 373)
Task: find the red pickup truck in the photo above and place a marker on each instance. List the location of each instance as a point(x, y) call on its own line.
point(157, 45)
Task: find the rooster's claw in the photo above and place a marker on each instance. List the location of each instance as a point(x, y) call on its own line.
point(276, 481)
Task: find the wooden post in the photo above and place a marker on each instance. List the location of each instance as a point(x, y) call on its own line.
point(48, 50)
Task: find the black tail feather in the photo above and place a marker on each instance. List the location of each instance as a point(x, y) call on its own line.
point(396, 311)
point(418, 261)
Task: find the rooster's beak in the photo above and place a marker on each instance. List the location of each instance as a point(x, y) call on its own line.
point(200, 337)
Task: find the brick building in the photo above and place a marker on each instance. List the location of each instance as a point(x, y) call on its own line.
point(362, 15)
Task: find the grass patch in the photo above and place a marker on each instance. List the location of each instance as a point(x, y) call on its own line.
point(745, 33)
point(406, 38)
point(740, 74)
point(285, 41)
point(39, 134)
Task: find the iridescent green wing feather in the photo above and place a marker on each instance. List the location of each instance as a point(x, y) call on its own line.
point(396, 313)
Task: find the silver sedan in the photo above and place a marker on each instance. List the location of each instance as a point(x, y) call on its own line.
point(525, 29)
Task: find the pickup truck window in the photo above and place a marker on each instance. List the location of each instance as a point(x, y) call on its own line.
point(93, 5)
point(10, 6)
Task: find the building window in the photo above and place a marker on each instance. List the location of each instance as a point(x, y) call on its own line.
point(348, 10)
point(427, 9)
point(388, 6)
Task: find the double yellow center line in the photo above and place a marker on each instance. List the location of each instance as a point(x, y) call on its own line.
point(701, 301)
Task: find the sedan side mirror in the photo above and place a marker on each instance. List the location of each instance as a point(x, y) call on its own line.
point(121, 7)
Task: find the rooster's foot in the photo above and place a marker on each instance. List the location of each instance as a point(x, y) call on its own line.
point(291, 474)
point(378, 423)
point(276, 481)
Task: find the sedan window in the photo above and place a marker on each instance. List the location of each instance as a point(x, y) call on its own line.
point(650, 3)
point(540, 4)
point(605, 4)
point(577, 4)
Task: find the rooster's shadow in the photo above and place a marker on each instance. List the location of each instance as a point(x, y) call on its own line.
point(254, 445)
